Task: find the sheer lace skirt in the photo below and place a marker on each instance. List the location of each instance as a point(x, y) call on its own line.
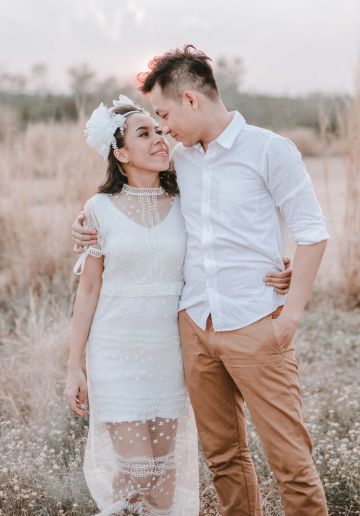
point(147, 467)
point(141, 454)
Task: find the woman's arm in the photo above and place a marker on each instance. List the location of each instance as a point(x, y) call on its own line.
point(280, 280)
point(84, 308)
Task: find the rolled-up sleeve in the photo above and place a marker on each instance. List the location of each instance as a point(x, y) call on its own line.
point(291, 187)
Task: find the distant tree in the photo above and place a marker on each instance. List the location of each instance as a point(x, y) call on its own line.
point(229, 74)
point(39, 78)
point(82, 84)
point(12, 83)
point(108, 89)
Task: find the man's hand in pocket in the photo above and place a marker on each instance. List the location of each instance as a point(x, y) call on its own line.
point(284, 329)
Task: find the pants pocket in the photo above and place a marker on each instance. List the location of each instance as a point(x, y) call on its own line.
point(290, 346)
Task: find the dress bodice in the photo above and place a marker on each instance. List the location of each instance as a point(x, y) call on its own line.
point(142, 255)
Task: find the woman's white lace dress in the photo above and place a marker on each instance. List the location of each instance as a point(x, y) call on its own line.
point(141, 451)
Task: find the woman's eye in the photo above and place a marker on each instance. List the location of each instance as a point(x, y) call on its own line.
point(159, 131)
point(144, 134)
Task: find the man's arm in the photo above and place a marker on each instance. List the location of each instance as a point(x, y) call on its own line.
point(82, 236)
point(306, 265)
point(293, 193)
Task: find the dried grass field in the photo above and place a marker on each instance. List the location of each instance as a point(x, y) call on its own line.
point(46, 174)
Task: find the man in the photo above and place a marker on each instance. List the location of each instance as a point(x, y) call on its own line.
point(240, 187)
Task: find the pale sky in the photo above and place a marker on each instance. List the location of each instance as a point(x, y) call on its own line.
point(288, 46)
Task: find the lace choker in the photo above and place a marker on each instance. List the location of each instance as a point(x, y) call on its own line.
point(132, 190)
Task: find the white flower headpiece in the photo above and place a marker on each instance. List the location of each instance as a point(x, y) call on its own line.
point(103, 123)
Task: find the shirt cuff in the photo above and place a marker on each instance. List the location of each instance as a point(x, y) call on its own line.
point(310, 236)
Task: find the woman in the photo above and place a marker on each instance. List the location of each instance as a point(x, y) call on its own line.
point(141, 452)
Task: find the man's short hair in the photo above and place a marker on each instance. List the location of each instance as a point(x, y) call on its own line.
point(177, 69)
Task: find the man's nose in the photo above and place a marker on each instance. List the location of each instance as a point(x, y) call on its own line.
point(165, 129)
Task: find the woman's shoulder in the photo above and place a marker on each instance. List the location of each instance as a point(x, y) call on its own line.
point(95, 201)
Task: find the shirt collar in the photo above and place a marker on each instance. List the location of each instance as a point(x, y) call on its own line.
point(227, 137)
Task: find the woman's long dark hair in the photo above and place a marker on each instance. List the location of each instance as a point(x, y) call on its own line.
point(115, 177)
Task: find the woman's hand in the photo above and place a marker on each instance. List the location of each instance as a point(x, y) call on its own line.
point(280, 280)
point(82, 236)
point(75, 391)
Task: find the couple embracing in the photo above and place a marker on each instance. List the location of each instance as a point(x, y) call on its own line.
point(186, 306)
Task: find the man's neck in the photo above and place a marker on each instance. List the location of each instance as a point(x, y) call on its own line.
point(218, 119)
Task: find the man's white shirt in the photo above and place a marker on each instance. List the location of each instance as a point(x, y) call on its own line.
point(238, 199)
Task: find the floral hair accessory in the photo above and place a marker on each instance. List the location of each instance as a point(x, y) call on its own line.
point(123, 101)
point(102, 125)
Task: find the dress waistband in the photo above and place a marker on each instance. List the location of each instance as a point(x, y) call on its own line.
point(154, 289)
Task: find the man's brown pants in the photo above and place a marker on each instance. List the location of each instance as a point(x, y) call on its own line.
point(225, 369)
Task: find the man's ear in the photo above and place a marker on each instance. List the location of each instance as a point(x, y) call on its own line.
point(121, 155)
point(190, 98)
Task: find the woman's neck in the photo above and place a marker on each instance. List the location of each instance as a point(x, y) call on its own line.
point(148, 180)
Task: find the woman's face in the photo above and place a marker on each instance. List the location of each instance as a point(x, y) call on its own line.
point(145, 147)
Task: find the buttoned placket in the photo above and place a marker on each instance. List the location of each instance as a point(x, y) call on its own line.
point(207, 237)
point(219, 251)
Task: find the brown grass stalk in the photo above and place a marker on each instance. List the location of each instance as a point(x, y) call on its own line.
point(349, 124)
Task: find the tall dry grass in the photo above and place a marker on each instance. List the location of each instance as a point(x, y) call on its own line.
point(346, 144)
point(306, 140)
point(349, 126)
point(46, 173)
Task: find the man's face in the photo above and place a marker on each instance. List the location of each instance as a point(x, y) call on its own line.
point(177, 117)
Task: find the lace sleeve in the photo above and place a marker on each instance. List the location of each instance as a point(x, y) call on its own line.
point(97, 249)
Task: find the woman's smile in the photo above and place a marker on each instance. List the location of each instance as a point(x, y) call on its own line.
point(163, 153)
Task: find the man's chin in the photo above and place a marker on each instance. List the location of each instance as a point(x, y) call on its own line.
point(186, 143)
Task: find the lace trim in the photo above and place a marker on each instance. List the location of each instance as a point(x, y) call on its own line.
point(93, 251)
point(133, 190)
point(79, 265)
point(143, 466)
